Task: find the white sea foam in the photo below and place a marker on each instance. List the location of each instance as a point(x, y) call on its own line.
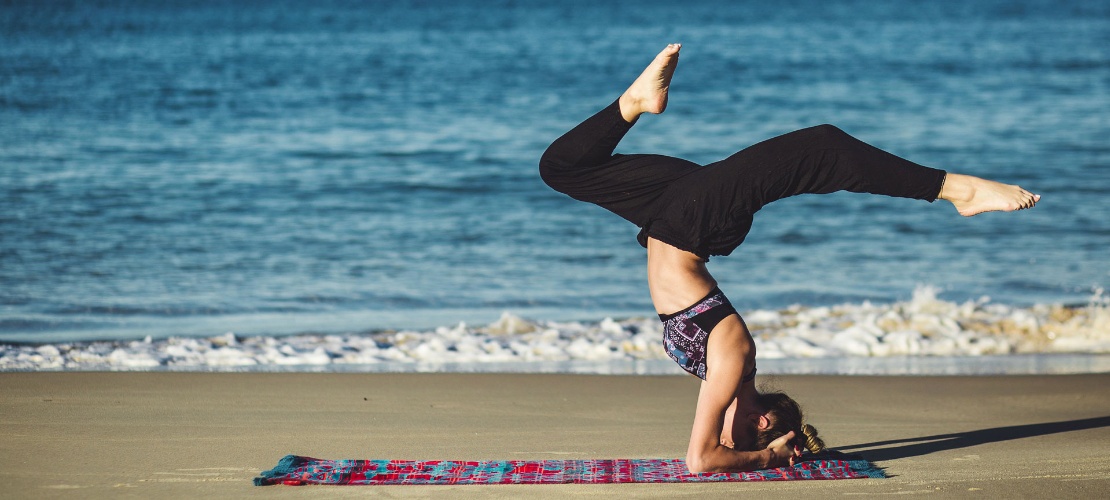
point(921, 327)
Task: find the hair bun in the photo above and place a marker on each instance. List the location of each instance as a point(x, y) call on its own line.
point(813, 443)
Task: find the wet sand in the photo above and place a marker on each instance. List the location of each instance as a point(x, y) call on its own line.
point(96, 435)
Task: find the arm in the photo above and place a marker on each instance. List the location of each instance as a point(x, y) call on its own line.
point(678, 278)
point(731, 354)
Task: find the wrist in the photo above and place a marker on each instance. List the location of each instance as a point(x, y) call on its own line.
point(769, 458)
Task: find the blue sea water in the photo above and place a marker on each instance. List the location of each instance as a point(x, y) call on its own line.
point(277, 167)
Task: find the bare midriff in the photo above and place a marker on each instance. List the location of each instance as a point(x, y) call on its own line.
point(676, 278)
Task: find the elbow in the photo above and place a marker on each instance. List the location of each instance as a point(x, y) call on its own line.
point(707, 456)
point(697, 463)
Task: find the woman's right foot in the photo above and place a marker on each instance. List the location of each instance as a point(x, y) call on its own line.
point(648, 94)
point(972, 195)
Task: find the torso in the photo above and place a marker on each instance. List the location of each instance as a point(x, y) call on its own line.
point(676, 278)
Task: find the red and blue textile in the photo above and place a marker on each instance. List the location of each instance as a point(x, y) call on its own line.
point(295, 470)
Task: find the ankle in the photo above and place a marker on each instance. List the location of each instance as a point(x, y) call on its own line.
point(630, 110)
point(956, 188)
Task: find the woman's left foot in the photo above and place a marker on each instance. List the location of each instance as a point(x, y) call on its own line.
point(972, 195)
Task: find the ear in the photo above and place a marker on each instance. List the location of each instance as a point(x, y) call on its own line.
point(760, 420)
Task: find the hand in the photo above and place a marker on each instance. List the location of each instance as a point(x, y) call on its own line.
point(782, 454)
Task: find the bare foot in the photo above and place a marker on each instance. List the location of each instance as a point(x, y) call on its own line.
point(972, 195)
point(648, 94)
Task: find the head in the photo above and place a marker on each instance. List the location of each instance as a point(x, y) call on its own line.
point(781, 415)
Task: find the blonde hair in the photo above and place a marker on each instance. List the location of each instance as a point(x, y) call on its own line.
point(809, 436)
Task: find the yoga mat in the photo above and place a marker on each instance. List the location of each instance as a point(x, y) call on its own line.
point(297, 470)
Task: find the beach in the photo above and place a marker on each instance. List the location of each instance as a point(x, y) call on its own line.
point(158, 434)
point(236, 232)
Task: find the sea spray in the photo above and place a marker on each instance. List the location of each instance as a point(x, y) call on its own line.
point(921, 326)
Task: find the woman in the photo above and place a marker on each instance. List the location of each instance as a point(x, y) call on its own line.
point(688, 212)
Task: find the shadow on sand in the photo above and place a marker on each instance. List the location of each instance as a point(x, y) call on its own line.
point(913, 447)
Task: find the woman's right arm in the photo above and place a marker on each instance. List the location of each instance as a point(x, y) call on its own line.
point(730, 354)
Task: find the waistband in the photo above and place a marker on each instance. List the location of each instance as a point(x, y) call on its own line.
point(667, 317)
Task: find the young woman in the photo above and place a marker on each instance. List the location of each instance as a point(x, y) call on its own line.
point(688, 212)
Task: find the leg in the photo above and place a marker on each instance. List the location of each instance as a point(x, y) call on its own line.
point(581, 163)
point(824, 159)
point(592, 142)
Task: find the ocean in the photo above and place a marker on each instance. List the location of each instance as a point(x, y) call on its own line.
point(287, 172)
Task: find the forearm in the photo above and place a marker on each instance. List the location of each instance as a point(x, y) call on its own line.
point(721, 458)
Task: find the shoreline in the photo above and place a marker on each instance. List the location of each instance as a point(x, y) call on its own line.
point(912, 366)
point(922, 328)
point(190, 434)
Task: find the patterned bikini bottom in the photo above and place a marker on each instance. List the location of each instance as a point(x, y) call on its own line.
point(686, 333)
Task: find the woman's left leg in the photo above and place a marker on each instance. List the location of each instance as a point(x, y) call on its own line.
point(821, 159)
point(825, 159)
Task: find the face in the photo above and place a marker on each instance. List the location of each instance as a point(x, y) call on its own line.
point(741, 430)
point(745, 430)
point(743, 434)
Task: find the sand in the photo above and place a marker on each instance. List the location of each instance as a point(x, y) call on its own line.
point(95, 435)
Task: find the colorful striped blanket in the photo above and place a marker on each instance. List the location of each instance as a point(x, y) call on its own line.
point(296, 470)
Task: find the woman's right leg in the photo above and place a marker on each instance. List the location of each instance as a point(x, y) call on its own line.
point(581, 163)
